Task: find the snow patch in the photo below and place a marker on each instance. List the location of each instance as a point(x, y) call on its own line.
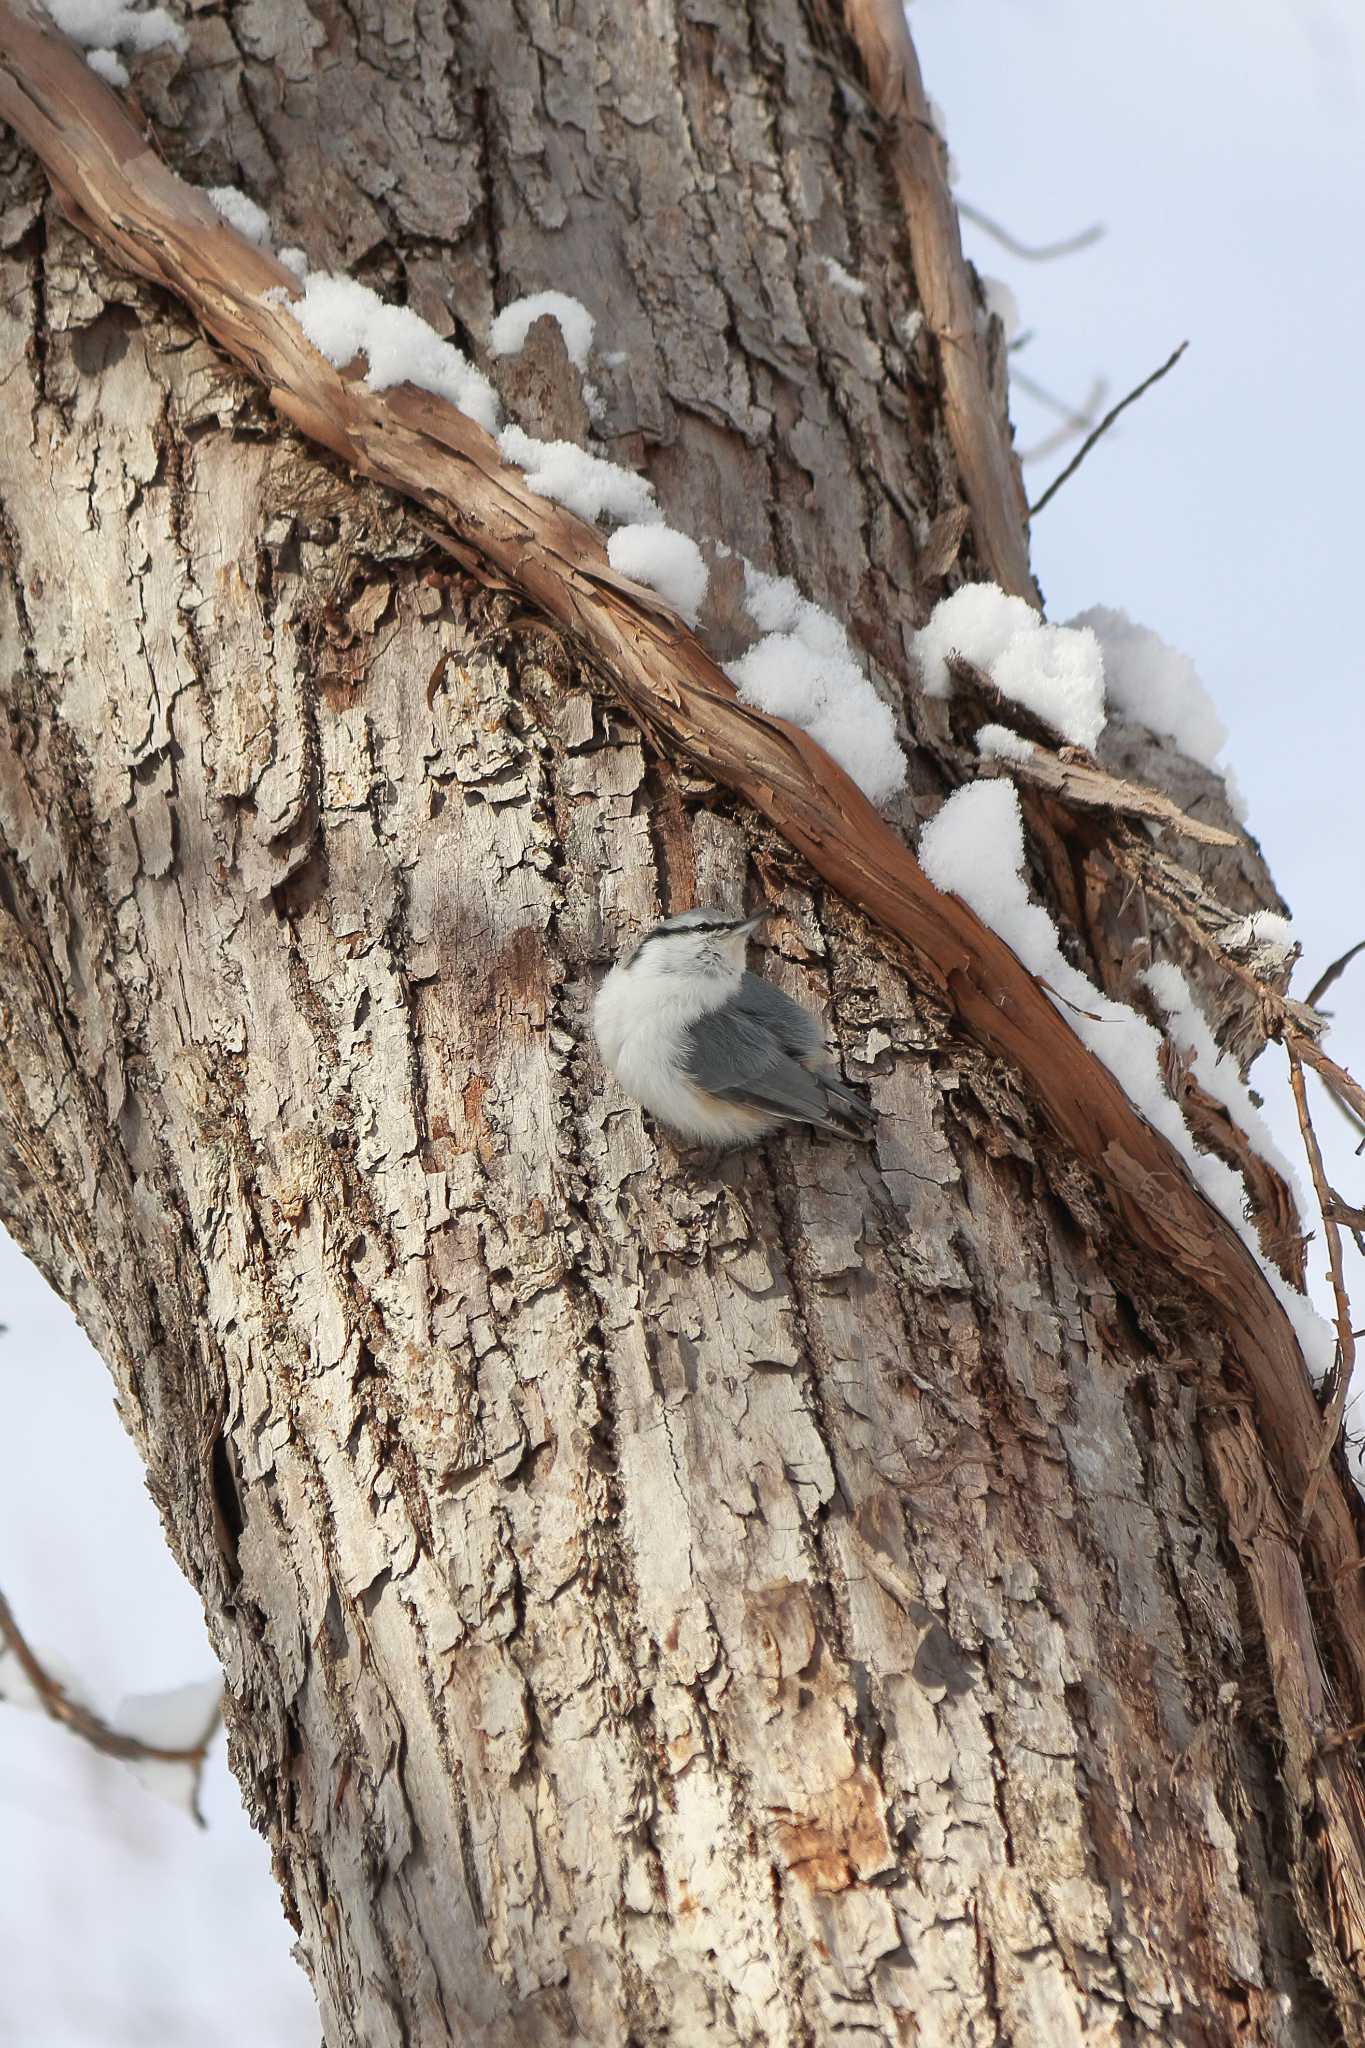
point(344, 319)
point(582, 483)
point(844, 279)
point(241, 212)
point(664, 559)
point(1057, 672)
point(974, 848)
point(1265, 931)
point(1217, 1072)
point(998, 743)
point(978, 622)
point(804, 670)
point(107, 65)
point(1154, 684)
point(295, 260)
point(507, 335)
point(1001, 302)
point(105, 26)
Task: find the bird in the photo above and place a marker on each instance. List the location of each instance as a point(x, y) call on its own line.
point(714, 1052)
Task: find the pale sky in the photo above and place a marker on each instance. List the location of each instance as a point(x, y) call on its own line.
point(1222, 147)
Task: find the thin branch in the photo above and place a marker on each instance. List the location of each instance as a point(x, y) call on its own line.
point(1346, 1343)
point(1075, 418)
point(1330, 974)
point(1343, 1085)
point(1041, 252)
point(58, 1704)
point(1103, 428)
point(1344, 1109)
point(1074, 415)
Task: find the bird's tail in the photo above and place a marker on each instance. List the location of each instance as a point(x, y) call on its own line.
point(848, 1113)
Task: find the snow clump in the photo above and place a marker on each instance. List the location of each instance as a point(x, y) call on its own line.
point(344, 319)
point(507, 335)
point(103, 26)
point(1154, 684)
point(241, 212)
point(998, 743)
point(1057, 672)
point(665, 560)
point(804, 670)
point(582, 483)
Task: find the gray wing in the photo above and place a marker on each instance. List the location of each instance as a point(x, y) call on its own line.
point(794, 1028)
point(753, 1051)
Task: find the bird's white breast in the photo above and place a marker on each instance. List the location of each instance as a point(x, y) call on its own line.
point(639, 1022)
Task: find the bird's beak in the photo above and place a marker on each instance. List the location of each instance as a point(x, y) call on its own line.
point(751, 924)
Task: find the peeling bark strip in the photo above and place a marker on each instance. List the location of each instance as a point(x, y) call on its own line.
point(990, 475)
point(779, 1608)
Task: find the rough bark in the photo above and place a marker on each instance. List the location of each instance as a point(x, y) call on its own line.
point(756, 1606)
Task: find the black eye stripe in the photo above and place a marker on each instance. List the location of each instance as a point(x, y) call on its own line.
point(685, 931)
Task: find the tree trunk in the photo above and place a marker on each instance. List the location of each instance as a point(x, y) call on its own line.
point(777, 1604)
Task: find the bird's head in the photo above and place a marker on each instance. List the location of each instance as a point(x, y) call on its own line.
point(707, 943)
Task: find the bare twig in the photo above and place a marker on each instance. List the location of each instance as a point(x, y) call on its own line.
point(1041, 252)
point(1346, 1343)
point(1344, 1109)
point(1103, 428)
point(58, 1704)
point(1075, 419)
point(1330, 974)
point(1038, 451)
point(1074, 415)
point(1343, 1085)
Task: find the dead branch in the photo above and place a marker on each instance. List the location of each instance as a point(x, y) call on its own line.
point(1089, 788)
point(1040, 252)
point(990, 479)
point(1343, 1085)
point(58, 1704)
point(1075, 419)
point(1330, 974)
point(1103, 428)
point(1346, 1343)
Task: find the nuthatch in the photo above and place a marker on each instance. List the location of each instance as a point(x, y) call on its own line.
point(708, 1048)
